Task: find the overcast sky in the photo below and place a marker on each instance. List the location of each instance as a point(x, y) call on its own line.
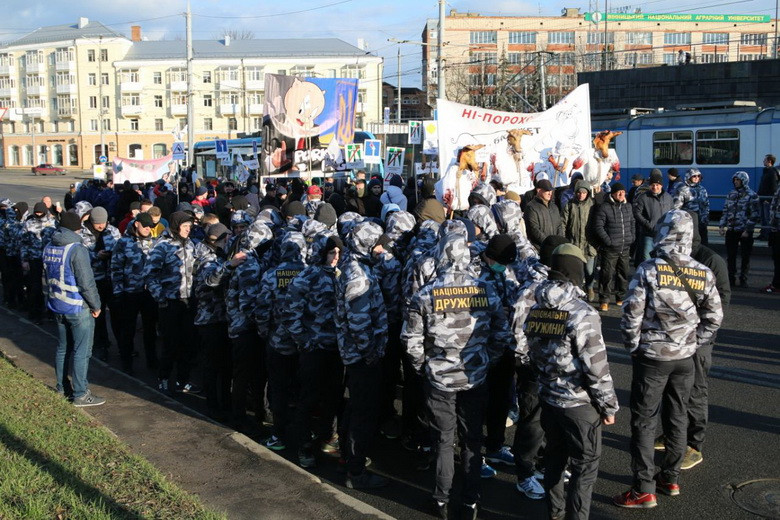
point(373, 21)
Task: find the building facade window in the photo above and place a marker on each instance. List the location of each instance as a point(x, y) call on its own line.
point(678, 38)
point(157, 78)
point(104, 78)
point(597, 37)
point(715, 38)
point(103, 54)
point(158, 101)
point(56, 155)
point(135, 151)
point(73, 154)
point(158, 125)
point(92, 101)
point(208, 101)
point(482, 37)
point(207, 76)
point(93, 125)
point(522, 37)
point(639, 38)
point(208, 124)
point(107, 101)
point(257, 123)
point(107, 124)
point(753, 39)
point(91, 55)
point(561, 37)
point(232, 123)
point(159, 150)
point(134, 125)
point(92, 79)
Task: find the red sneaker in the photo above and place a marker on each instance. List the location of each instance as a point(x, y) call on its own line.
point(667, 488)
point(633, 500)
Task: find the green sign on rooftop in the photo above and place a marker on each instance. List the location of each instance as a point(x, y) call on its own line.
point(679, 17)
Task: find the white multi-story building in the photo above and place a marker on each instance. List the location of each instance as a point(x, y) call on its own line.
point(69, 88)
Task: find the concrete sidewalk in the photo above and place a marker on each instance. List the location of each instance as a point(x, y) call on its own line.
point(228, 471)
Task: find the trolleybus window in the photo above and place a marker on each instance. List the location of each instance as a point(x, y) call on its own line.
point(673, 148)
point(717, 146)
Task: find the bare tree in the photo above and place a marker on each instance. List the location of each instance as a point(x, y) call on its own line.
point(236, 34)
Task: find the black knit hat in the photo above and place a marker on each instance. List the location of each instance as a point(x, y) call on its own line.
point(70, 220)
point(502, 249)
point(618, 186)
point(568, 260)
point(656, 177)
point(326, 214)
point(548, 246)
point(293, 208)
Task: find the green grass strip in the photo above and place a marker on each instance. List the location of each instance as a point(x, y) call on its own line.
point(58, 463)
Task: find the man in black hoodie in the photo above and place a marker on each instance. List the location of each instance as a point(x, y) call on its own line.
point(429, 208)
point(72, 296)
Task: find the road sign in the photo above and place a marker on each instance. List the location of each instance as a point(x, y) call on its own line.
point(415, 133)
point(178, 151)
point(386, 116)
point(102, 159)
point(354, 156)
point(373, 151)
point(394, 163)
point(254, 148)
point(221, 147)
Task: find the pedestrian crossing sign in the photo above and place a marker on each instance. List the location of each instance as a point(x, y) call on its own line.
point(178, 151)
point(354, 155)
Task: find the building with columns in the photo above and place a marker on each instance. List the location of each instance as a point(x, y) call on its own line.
point(75, 92)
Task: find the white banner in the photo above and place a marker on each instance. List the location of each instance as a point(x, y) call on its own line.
point(430, 138)
point(140, 172)
point(517, 147)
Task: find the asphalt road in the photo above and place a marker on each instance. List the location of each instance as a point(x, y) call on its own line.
point(743, 438)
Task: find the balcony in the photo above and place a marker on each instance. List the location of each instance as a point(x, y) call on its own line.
point(255, 84)
point(37, 90)
point(68, 88)
point(137, 110)
point(179, 110)
point(177, 86)
point(35, 68)
point(229, 109)
point(229, 84)
point(7, 70)
point(8, 92)
point(360, 107)
point(255, 108)
point(66, 111)
point(65, 65)
point(133, 86)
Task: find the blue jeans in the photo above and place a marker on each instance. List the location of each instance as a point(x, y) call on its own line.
point(643, 248)
point(75, 340)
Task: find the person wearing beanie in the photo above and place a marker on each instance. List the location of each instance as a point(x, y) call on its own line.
point(372, 198)
point(576, 391)
point(134, 210)
point(576, 217)
point(310, 318)
point(326, 214)
point(71, 294)
point(672, 310)
point(394, 193)
point(649, 208)
point(36, 233)
point(542, 216)
point(100, 237)
point(429, 207)
point(613, 227)
point(741, 214)
point(637, 185)
point(675, 182)
point(202, 199)
point(293, 209)
point(169, 281)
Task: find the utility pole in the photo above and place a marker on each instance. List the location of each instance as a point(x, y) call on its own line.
point(32, 135)
point(774, 49)
point(398, 104)
point(190, 100)
point(604, 57)
point(100, 95)
point(439, 65)
point(541, 78)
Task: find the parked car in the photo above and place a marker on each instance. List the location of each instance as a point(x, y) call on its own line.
point(48, 169)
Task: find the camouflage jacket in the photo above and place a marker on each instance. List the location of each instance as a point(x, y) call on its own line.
point(659, 318)
point(741, 210)
point(361, 316)
point(170, 268)
point(13, 237)
point(272, 297)
point(242, 293)
point(311, 207)
point(310, 313)
point(567, 350)
point(209, 286)
point(388, 270)
point(36, 233)
point(699, 202)
point(311, 230)
point(523, 299)
point(129, 261)
point(110, 236)
point(482, 217)
point(455, 326)
point(6, 218)
point(774, 212)
point(398, 229)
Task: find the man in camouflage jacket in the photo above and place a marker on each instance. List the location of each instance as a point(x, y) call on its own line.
point(740, 216)
point(361, 319)
point(455, 329)
point(663, 324)
point(171, 264)
point(568, 354)
point(36, 233)
point(12, 236)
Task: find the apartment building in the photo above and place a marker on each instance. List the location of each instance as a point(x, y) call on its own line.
point(413, 103)
point(494, 61)
point(69, 88)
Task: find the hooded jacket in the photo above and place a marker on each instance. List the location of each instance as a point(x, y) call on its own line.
point(79, 263)
point(699, 201)
point(36, 233)
point(128, 264)
point(660, 320)
point(613, 224)
point(429, 208)
point(576, 216)
point(482, 216)
point(566, 348)
point(455, 327)
point(309, 315)
point(171, 264)
point(96, 241)
point(741, 210)
point(209, 285)
point(243, 287)
point(272, 299)
point(394, 195)
point(361, 314)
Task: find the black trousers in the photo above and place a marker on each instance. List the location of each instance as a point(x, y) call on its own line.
point(573, 437)
point(499, 384)
point(391, 371)
point(704, 233)
point(106, 293)
point(126, 309)
point(528, 429)
point(14, 284)
point(249, 377)
point(321, 376)
point(361, 415)
point(4, 274)
point(178, 343)
point(217, 367)
point(735, 241)
point(613, 279)
point(35, 289)
point(653, 382)
point(774, 242)
point(465, 411)
point(282, 374)
point(698, 411)
point(415, 419)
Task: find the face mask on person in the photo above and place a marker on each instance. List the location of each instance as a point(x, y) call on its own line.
point(498, 268)
point(361, 191)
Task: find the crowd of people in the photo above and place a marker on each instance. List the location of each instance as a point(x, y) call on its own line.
point(305, 307)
